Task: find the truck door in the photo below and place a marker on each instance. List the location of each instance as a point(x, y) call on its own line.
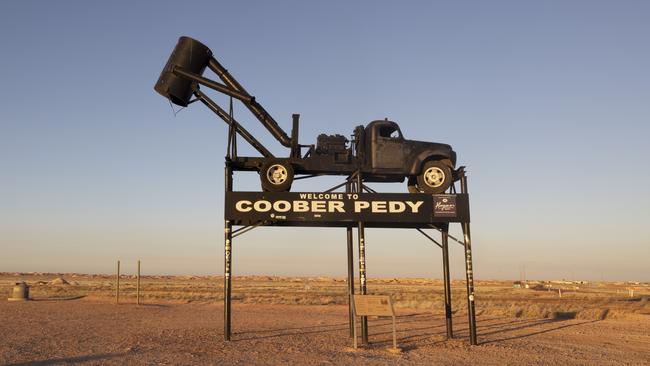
point(388, 148)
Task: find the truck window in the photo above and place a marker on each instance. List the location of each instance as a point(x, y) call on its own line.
point(389, 132)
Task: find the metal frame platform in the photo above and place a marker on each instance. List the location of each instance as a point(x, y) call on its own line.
point(435, 217)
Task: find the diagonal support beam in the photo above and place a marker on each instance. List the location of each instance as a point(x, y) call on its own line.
point(214, 107)
point(429, 237)
point(336, 187)
point(245, 229)
point(449, 235)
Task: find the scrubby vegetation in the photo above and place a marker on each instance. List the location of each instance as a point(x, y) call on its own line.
point(540, 300)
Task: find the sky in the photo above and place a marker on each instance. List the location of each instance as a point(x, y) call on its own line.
point(546, 103)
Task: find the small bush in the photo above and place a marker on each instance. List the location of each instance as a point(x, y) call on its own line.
point(564, 315)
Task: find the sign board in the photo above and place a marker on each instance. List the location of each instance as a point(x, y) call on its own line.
point(345, 209)
point(373, 305)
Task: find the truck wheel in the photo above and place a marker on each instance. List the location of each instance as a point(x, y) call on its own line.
point(434, 178)
point(276, 176)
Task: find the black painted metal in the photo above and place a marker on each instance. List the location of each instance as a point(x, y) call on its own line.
point(348, 230)
point(447, 282)
point(353, 185)
point(227, 267)
point(338, 186)
point(214, 107)
point(350, 279)
point(379, 150)
point(258, 111)
point(295, 133)
point(469, 271)
point(336, 209)
point(232, 133)
point(362, 265)
point(244, 229)
point(190, 55)
point(428, 237)
point(181, 72)
point(368, 189)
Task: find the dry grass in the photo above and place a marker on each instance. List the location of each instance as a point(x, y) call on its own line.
point(590, 301)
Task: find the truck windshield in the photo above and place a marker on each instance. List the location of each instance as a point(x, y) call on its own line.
point(390, 132)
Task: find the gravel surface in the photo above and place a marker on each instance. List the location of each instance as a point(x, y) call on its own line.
point(100, 333)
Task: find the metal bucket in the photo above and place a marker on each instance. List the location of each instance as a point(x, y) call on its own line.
point(20, 292)
point(190, 55)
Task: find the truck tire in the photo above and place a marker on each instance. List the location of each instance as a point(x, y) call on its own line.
point(434, 178)
point(276, 176)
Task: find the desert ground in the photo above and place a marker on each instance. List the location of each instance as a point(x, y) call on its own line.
point(73, 319)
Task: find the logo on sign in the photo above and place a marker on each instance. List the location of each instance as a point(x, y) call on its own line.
point(444, 206)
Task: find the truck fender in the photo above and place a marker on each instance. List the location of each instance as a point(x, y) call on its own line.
point(415, 166)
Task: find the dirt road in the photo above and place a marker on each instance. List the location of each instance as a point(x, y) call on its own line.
point(101, 333)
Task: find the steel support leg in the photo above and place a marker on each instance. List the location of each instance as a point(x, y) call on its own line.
point(227, 266)
point(447, 282)
point(362, 264)
point(469, 272)
point(348, 189)
point(350, 280)
point(362, 279)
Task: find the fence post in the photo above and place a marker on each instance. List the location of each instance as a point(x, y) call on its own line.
point(137, 291)
point(117, 289)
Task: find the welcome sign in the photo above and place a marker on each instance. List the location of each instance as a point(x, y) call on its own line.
point(341, 209)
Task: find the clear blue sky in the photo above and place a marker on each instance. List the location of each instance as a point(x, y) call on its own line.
point(547, 103)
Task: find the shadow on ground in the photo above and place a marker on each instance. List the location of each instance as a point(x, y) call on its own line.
point(66, 360)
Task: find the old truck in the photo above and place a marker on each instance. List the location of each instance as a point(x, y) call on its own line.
point(378, 151)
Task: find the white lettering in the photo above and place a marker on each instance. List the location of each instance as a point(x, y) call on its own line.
point(329, 204)
point(379, 206)
point(282, 206)
point(444, 206)
point(323, 196)
point(335, 206)
point(396, 207)
point(300, 206)
point(415, 206)
point(318, 206)
point(361, 205)
point(262, 206)
point(239, 206)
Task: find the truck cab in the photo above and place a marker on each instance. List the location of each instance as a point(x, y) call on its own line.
point(389, 157)
point(386, 146)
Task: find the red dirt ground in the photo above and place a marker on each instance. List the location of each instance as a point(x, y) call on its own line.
point(101, 333)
